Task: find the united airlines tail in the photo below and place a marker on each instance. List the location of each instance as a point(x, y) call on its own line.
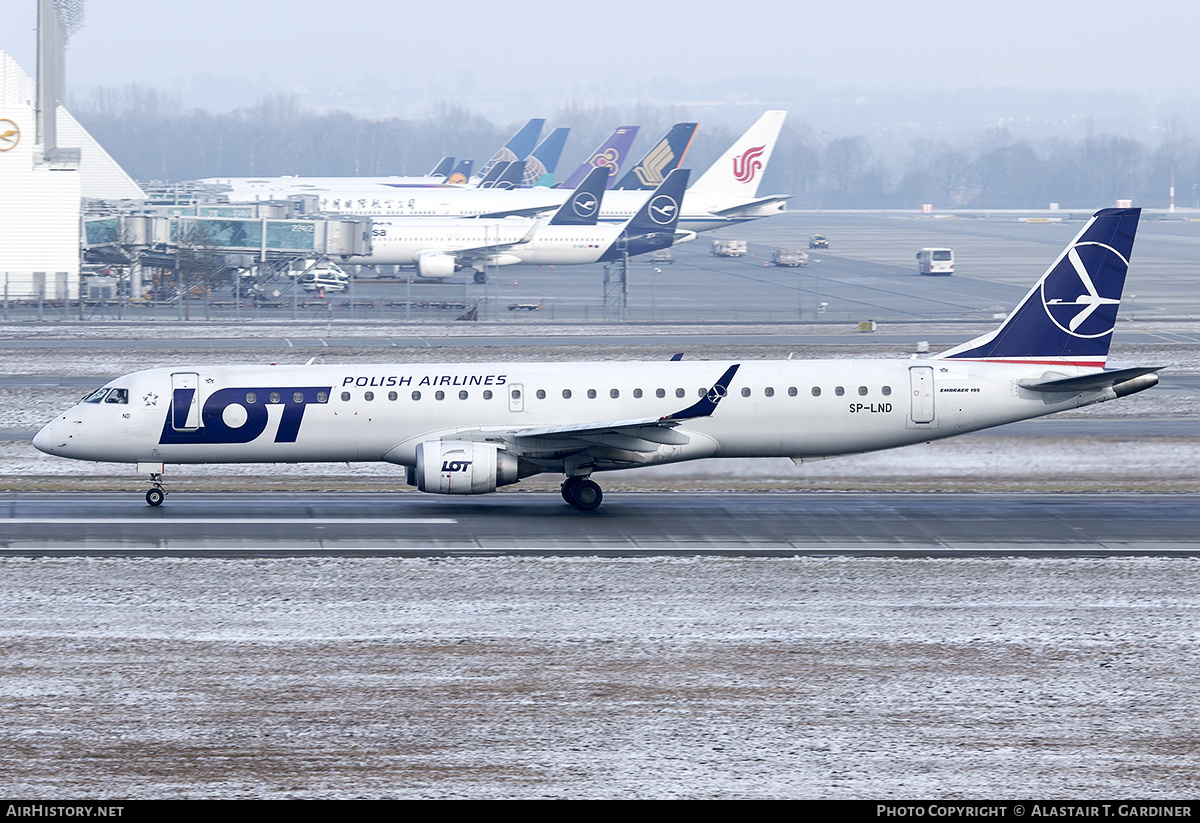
point(661, 160)
point(610, 155)
point(518, 146)
point(540, 165)
point(1068, 317)
point(739, 171)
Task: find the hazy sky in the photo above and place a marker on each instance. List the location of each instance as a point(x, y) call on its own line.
point(443, 48)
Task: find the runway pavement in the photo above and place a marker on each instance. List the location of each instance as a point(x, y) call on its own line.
point(629, 524)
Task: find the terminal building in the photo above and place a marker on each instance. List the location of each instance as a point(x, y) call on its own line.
point(49, 165)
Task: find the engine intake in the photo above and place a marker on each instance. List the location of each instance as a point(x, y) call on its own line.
point(459, 467)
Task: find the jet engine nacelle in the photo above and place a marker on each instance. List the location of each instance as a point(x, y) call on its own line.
point(459, 467)
point(435, 265)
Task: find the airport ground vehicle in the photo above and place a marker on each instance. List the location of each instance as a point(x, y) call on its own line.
point(728, 248)
point(818, 241)
point(789, 257)
point(935, 261)
point(469, 428)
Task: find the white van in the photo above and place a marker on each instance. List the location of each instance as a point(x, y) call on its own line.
point(935, 261)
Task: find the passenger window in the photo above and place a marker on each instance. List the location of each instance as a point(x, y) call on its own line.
point(391, 396)
point(566, 394)
point(614, 393)
point(462, 395)
point(591, 394)
point(680, 393)
point(769, 392)
point(839, 391)
point(660, 392)
point(862, 391)
point(117, 396)
point(792, 391)
point(369, 395)
point(439, 395)
point(345, 396)
point(816, 391)
point(323, 397)
point(416, 395)
point(251, 398)
point(541, 394)
point(515, 394)
point(745, 392)
point(96, 396)
point(298, 397)
point(487, 394)
point(274, 397)
point(637, 393)
point(887, 390)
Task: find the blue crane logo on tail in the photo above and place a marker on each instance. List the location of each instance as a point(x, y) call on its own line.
point(1076, 312)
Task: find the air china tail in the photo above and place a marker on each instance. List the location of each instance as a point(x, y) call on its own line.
point(470, 428)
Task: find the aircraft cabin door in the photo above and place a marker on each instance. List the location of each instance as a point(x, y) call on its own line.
point(921, 384)
point(185, 401)
point(516, 397)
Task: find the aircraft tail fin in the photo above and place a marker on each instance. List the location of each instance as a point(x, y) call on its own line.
point(511, 177)
point(1068, 317)
point(541, 164)
point(517, 147)
point(610, 155)
point(661, 160)
point(583, 206)
point(653, 227)
point(443, 167)
point(461, 174)
point(488, 180)
point(740, 169)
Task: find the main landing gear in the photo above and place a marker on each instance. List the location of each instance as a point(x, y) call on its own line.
point(582, 493)
point(157, 493)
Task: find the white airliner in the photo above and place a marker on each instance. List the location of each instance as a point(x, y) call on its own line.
point(470, 428)
point(440, 248)
point(725, 195)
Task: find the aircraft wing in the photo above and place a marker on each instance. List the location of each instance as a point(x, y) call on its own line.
point(751, 204)
point(644, 434)
point(531, 211)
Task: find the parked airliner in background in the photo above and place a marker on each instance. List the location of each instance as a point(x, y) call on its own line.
point(251, 189)
point(441, 248)
point(471, 428)
point(724, 195)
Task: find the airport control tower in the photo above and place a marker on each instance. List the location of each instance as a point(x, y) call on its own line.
point(48, 165)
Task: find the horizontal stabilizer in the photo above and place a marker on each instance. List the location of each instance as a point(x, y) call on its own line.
point(753, 204)
point(1091, 382)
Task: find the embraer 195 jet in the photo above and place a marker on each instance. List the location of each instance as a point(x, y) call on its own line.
point(471, 428)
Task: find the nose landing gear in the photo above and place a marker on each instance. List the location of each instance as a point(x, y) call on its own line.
point(582, 493)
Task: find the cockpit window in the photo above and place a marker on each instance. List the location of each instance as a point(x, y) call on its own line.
point(96, 396)
point(117, 396)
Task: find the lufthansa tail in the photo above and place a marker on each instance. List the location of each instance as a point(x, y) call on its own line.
point(653, 227)
point(1068, 317)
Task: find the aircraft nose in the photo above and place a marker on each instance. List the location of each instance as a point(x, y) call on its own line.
point(47, 440)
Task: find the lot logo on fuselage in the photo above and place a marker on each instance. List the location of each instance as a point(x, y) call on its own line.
point(1071, 292)
point(747, 164)
point(240, 415)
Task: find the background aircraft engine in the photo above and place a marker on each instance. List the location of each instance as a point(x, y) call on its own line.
point(434, 264)
point(456, 467)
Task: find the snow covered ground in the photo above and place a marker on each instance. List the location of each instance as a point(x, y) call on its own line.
point(519, 677)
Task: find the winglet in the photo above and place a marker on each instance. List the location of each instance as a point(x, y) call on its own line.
point(707, 404)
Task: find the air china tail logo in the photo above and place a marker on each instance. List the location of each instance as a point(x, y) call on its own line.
point(1070, 294)
point(747, 164)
